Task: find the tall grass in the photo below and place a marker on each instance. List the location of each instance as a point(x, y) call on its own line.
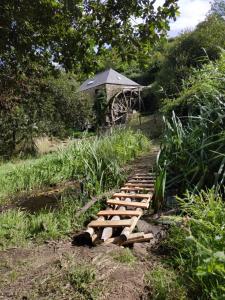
point(193, 145)
point(197, 248)
point(96, 161)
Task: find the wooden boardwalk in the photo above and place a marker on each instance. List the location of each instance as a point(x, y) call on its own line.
point(116, 224)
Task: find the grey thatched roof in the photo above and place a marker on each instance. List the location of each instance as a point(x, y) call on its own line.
point(109, 76)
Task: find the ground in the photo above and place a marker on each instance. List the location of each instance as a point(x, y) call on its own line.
point(59, 270)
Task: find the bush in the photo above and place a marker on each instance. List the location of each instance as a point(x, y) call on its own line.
point(36, 105)
point(197, 247)
point(204, 87)
point(191, 50)
point(193, 145)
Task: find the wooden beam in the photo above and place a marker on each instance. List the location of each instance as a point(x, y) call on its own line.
point(118, 240)
point(145, 174)
point(108, 231)
point(147, 237)
point(128, 230)
point(135, 189)
point(118, 213)
point(110, 223)
point(136, 196)
point(143, 177)
point(141, 181)
point(124, 203)
point(140, 184)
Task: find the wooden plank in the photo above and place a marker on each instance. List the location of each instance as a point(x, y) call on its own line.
point(136, 196)
point(141, 181)
point(147, 237)
point(128, 230)
point(143, 177)
point(108, 231)
point(118, 240)
point(140, 185)
point(110, 223)
point(131, 204)
point(144, 174)
point(118, 213)
point(135, 189)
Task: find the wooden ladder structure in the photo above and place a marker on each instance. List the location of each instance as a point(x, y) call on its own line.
point(117, 222)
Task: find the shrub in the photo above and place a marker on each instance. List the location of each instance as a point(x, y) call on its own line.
point(193, 145)
point(197, 247)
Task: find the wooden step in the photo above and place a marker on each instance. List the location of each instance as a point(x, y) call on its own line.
point(131, 196)
point(147, 185)
point(111, 212)
point(141, 181)
point(111, 223)
point(143, 177)
point(130, 204)
point(144, 174)
point(134, 189)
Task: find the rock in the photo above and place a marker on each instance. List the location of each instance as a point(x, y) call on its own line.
point(140, 249)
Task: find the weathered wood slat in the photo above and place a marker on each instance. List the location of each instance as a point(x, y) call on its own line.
point(128, 230)
point(118, 240)
point(118, 213)
point(140, 184)
point(108, 231)
point(110, 223)
point(147, 237)
point(131, 204)
point(143, 177)
point(136, 196)
point(145, 174)
point(141, 181)
point(136, 189)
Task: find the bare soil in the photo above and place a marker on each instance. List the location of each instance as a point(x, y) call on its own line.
point(44, 271)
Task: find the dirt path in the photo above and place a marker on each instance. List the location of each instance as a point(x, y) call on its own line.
point(58, 270)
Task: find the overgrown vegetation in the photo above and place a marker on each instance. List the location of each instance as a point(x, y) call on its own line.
point(197, 248)
point(192, 155)
point(193, 145)
point(97, 163)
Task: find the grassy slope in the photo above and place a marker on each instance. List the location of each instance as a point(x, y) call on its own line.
point(97, 161)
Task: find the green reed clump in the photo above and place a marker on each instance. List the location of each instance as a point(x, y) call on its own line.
point(18, 227)
point(96, 161)
point(197, 248)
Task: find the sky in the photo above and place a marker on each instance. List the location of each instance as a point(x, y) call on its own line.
point(192, 12)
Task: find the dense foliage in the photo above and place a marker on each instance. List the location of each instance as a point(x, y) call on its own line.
point(193, 145)
point(191, 50)
point(70, 32)
point(197, 248)
point(37, 106)
point(96, 161)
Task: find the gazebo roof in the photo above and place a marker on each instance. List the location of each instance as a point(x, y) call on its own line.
point(109, 76)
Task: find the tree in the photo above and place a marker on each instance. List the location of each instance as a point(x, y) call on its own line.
point(191, 50)
point(218, 8)
point(70, 32)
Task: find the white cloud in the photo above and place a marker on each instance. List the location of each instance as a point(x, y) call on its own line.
point(192, 12)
